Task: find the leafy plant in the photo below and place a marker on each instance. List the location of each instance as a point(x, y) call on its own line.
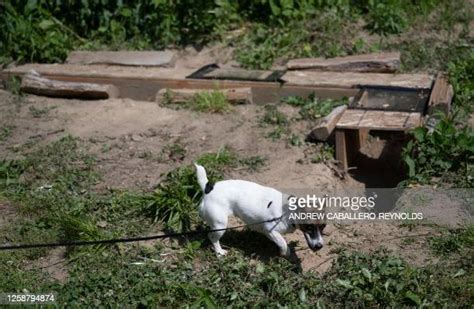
point(444, 155)
point(378, 279)
point(386, 17)
point(325, 153)
point(453, 241)
point(175, 201)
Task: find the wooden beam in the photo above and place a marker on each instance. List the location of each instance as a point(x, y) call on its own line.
point(325, 125)
point(341, 150)
point(143, 83)
point(378, 120)
point(351, 79)
point(36, 84)
point(126, 58)
point(375, 63)
point(441, 96)
point(233, 95)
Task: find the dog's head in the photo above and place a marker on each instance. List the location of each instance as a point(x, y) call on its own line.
point(313, 233)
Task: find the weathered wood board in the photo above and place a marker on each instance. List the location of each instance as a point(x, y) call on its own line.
point(325, 125)
point(34, 83)
point(233, 95)
point(351, 79)
point(142, 83)
point(378, 120)
point(375, 63)
point(441, 96)
point(126, 58)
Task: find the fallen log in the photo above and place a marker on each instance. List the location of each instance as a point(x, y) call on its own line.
point(375, 63)
point(34, 83)
point(125, 58)
point(233, 95)
point(326, 125)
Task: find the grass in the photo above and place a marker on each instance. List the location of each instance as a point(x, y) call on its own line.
point(67, 207)
point(213, 101)
point(453, 241)
point(210, 102)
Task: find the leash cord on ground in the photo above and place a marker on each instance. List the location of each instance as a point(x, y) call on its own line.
point(125, 240)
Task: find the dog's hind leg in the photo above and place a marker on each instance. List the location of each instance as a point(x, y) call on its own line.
point(214, 237)
point(280, 242)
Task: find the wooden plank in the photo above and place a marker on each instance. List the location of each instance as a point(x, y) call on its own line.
point(325, 126)
point(379, 120)
point(441, 96)
point(239, 74)
point(350, 118)
point(341, 150)
point(375, 63)
point(351, 79)
point(233, 95)
point(126, 58)
point(36, 84)
point(143, 83)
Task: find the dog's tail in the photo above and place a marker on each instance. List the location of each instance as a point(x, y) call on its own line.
point(201, 176)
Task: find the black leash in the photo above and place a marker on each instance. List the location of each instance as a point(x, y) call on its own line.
point(125, 240)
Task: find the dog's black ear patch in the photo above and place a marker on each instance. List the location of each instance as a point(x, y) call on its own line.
point(269, 204)
point(209, 187)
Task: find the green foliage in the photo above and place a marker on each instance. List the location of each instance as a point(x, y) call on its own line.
point(386, 17)
point(175, 201)
point(453, 241)
point(31, 34)
point(313, 108)
point(210, 102)
point(204, 101)
point(324, 154)
point(461, 72)
point(381, 280)
point(273, 116)
point(275, 119)
point(175, 151)
point(444, 155)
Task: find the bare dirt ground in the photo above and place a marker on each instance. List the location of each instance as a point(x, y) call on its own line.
point(129, 137)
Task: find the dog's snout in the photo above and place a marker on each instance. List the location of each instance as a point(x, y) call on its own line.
point(317, 247)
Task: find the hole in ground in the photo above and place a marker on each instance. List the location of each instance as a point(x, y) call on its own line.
point(378, 164)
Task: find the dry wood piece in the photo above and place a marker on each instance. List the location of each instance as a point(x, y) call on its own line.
point(441, 96)
point(326, 125)
point(142, 83)
point(352, 79)
point(128, 58)
point(34, 83)
point(378, 120)
point(375, 63)
point(233, 95)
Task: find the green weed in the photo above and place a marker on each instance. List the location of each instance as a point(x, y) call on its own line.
point(40, 112)
point(210, 102)
point(313, 108)
point(5, 132)
point(379, 279)
point(175, 201)
point(325, 153)
point(443, 155)
point(175, 151)
point(453, 241)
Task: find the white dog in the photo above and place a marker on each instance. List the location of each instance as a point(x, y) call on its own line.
point(252, 203)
